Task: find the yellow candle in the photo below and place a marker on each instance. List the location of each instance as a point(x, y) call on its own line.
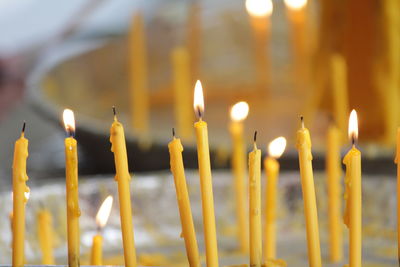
point(260, 12)
point(182, 87)
point(188, 232)
point(339, 91)
point(352, 215)
point(334, 173)
point(207, 197)
point(20, 198)
point(397, 161)
point(255, 206)
point(72, 195)
point(296, 11)
point(45, 235)
point(310, 205)
point(271, 166)
point(96, 257)
point(138, 77)
point(239, 112)
point(118, 146)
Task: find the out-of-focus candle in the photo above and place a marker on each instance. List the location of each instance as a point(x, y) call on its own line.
point(207, 196)
point(397, 161)
point(102, 216)
point(188, 232)
point(310, 203)
point(19, 199)
point(334, 173)
point(45, 236)
point(138, 78)
point(118, 147)
point(271, 165)
point(239, 113)
point(182, 95)
point(296, 11)
point(72, 195)
point(352, 215)
point(255, 206)
point(260, 12)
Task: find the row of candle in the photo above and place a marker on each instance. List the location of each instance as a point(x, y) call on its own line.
point(184, 60)
point(352, 216)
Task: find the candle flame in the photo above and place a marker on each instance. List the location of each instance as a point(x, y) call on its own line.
point(239, 111)
point(353, 126)
point(104, 212)
point(259, 8)
point(69, 120)
point(198, 102)
point(295, 4)
point(277, 147)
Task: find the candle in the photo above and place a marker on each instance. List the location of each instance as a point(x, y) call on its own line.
point(334, 173)
point(310, 205)
point(271, 166)
point(138, 78)
point(182, 97)
point(296, 11)
point(188, 232)
point(45, 236)
point(207, 197)
point(255, 206)
point(96, 257)
point(20, 198)
point(260, 12)
point(239, 113)
point(72, 195)
point(352, 215)
point(339, 91)
point(118, 147)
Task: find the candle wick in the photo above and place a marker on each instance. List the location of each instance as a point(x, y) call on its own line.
point(199, 113)
point(99, 229)
point(255, 136)
point(353, 140)
point(114, 112)
point(302, 122)
point(23, 127)
point(173, 132)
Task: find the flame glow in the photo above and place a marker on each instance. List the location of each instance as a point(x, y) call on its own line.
point(295, 4)
point(104, 212)
point(353, 125)
point(239, 111)
point(259, 8)
point(69, 120)
point(198, 103)
point(277, 147)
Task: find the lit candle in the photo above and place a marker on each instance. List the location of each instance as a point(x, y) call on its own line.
point(339, 92)
point(118, 147)
point(255, 206)
point(296, 10)
point(260, 12)
point(207, 196)
point(20, 198)
point(334, 173)
point(182, 96)
point(188, 232)
point(138, 78)
point(96, 257)
point(310, 204)
point(239, 113)
point(45, 236)
point(72, 195)
point(352, 215)
point(271, 165)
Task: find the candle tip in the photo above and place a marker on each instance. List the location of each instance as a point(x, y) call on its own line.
point(23, 127)
point(173, 132)
point(255, 136)
point(114, 111)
